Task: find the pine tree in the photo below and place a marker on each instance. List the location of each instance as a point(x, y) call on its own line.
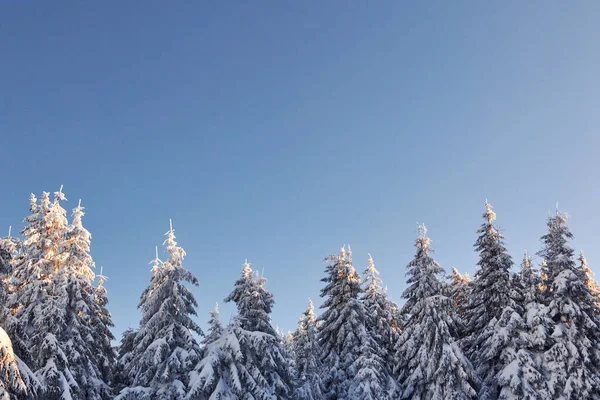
point(489, 293)
point(253, 301)
point(352, 367)
point(215, 329)
point(383, 325)
point(429, 362)
point(265, 368)
point(588, 277)
point(42, 315)
point(459, 290)
point(218, 373)
point(572, 359)
point(16, 379)
point(165, 351)
point(307, 352)
point(87, 338)
point(121, 378)
point(101, 323)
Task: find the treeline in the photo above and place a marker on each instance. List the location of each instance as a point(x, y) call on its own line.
point(527, 332)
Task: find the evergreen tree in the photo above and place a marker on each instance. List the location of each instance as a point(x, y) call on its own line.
point(429, 362)
point(307, 353)
point(101, 324)
point(42, 313)
point(572, 359)
point(253, 301)
point(352, 367)
point(489, 293)
point(383, 325)
point(459, 290)
point(121, 378)
point(265, 371)
point(165, 351)
point(16, 379)
point(87, 337)
point(215, 329)
point(588, 277)
point(218, 370)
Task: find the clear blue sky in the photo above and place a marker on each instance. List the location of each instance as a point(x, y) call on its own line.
point(279, 131)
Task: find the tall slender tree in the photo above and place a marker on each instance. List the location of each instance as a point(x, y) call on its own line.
point(572, 359)
point(429, 362)
point(352, 367)
point(40, 303)
point(383, 324)
point(307, 353)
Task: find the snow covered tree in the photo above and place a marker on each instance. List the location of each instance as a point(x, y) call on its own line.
point(218, 373)
point(429, 362)
point(352, 366)
point(264, 360)
point(215, 328)
point(571, 360)
point(101, 323)
point(8, 251)
point(383, 324)
point(87, 336)
point(42, 314)
point(253, 301)
point(16, 379)
point(588, 277)
point(125, 354)
point(307, 354)
point(459, 290)
point(489, 292)
point(165, 351)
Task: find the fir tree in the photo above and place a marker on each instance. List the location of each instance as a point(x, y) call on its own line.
point(489, 293)
point(101, 323)
point(429, 362)
point(307, 353)
point(588, 277)
point(215, 329)
point(217, 371)
point(43, 316)
point(87, 338)
point(165, 351)
point(16, 379)
point(352, 367)
point(383, 325)
point(459, 290)
point(265, 371)
point(571, 361)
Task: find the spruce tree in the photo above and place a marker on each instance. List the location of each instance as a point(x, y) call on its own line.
point(101, 323)
point(307, 353)
point(588, 277)
point(429, 363)
point(87, 338)
point(571, 360)
point(459, 290)
point(215, 329)
point(16, 379)
point(165, 350)
point(383, 324)
point(43, 315)
point(265, 371)
point(489, 292)
point(217, 371)
point(352, 366)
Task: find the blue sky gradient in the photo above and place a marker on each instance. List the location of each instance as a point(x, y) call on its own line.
point(279, 131)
